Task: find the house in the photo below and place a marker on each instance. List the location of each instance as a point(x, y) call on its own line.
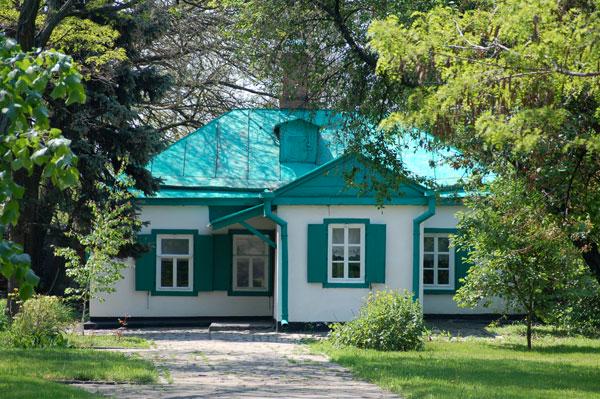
point(254, 219)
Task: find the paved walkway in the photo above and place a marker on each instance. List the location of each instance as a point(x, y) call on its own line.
point(239, 365)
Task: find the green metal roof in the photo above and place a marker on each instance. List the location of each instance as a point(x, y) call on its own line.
point(245, 151)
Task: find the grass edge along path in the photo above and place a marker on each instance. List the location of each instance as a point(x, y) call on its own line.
point(36, 373)
point(481, 368)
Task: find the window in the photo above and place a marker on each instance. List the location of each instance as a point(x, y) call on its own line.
point(250, 263)
point(438, 261)
point(175, 262)
point(346, 253)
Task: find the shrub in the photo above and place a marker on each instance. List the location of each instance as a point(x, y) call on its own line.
point(3, 318)
point(579, 315)
point(388, 320)
point(40, 323)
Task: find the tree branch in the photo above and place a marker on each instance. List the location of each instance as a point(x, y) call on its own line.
point(41, 39)
point(340, 23)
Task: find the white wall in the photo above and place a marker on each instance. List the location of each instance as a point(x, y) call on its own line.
point(127, 301)
point(310, 302)
point(445, 305)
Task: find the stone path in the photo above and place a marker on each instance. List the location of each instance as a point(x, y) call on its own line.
point(239, 364)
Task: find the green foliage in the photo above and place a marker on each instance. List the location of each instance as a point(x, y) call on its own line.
point(579, 314)
point(28, 142)
point(388, 321)
point(518, 252)
point(515, 86)
point(114, 224)
point(3, 316)
point(40, 323)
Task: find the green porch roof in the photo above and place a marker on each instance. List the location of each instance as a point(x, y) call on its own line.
point(245, 151)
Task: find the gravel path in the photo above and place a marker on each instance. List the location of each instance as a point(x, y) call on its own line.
point(238, 364)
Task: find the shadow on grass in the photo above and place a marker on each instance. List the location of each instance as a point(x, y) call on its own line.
point(21, 387)
point(553, 349)
point(76, 364)
point(432, 375)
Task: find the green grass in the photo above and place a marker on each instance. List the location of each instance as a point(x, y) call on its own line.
point(36, 373)
point(558, 367)
point(107, 341)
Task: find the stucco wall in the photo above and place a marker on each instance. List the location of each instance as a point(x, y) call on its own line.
point(217, 303)
point(310, 302)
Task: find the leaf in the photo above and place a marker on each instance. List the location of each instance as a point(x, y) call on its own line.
point(40, 156)
point(20, 259)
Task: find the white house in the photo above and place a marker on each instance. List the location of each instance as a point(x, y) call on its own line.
point(254, 218)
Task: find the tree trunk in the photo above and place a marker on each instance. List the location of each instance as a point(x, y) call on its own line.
point(592, 258)
point(26, 24)
point(23, 233)
point(529, 322)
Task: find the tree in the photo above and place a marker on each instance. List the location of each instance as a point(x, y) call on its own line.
point(97, 267)
point(516, 88)
point(104, 38)
point(519, 252)
point(28, 142)
point(318, 47)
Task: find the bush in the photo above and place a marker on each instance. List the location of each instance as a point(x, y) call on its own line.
point(3, 318)
point(579, 315)
point(388, 321)
point(40, 323)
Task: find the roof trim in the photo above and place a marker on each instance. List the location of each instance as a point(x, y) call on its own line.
point(328, 166)
point(236, 217)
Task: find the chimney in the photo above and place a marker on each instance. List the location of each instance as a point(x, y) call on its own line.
point(295, 64)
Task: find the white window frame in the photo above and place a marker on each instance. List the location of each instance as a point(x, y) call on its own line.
point(189, 257)
point(345, 279)
point(436, 253)
point(266, 257)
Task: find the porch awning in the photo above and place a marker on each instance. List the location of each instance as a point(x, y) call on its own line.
point(237, 217)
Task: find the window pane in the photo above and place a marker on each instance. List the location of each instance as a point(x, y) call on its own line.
point(354, 253)
point(166, 272)
point(354, 236)
point(427, 276)
point(243, 272)
point(258, 273)
point(443, 261)
point(428, 261)
point(250, 245)
point(337, 253)
point(353, 270)
point(428, 244)
point(443, 244)
point(337, 236)
point(175, 246)
point(443, 276)
point(337, 270)
point(183, 273)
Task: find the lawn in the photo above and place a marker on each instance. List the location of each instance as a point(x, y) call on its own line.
point(37, 373)
point(558, 367)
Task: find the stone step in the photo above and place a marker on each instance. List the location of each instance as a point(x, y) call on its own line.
point(241, 326)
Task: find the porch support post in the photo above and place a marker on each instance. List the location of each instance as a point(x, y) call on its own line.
point(259, 234)
point(417, 242)
point(284, 254)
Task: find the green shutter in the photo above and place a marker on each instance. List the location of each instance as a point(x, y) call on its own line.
point(461, 266)
point(145, 264)
point(375, 253)
point(317, 253)
point(203, 263)
point(222, 256)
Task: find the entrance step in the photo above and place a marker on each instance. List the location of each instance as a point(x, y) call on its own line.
point(241, 326)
